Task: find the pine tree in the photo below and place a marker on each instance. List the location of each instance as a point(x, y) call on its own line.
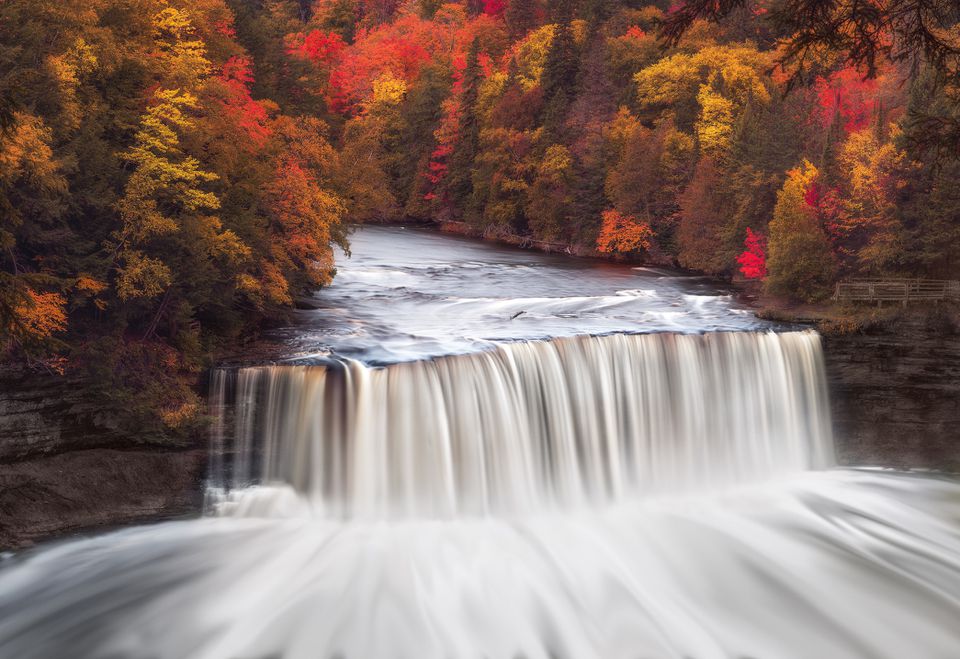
point(521, 17)
point(831, 145)
point(474, 7)
point(561, 11)
point(558, 80)
point(460, 176)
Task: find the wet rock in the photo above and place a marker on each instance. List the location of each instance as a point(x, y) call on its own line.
point(895, 392)
point(91, 490)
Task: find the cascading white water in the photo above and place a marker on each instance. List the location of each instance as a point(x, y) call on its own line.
point(351, 520)
point(526, 426)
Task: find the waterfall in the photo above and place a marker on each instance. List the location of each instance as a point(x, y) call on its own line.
point(351, 519)
point(525, 426)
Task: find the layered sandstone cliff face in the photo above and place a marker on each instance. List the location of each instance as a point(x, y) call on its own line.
point(66, 466)
point(895, 393)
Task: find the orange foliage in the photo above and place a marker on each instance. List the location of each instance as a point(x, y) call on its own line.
point(400, 48)
point(623, 234)
point(41, 315)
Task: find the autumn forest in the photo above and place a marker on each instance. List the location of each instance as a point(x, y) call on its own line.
point(172, 174)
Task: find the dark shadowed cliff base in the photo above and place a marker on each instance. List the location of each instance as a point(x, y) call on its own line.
point(895, 391)
point(81, 491)
point(895, 387)
point(67, 465)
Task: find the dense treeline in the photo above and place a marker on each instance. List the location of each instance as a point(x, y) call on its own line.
point(150, 206)
point(578, 122)
point(172, 172)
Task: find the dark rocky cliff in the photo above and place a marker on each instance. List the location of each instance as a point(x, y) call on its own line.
point(895, 389)
point(66, 465)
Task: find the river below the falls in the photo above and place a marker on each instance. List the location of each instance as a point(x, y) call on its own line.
point(473, 451)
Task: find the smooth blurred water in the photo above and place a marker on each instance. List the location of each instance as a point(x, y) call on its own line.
point(408, 294)
point(528, 426)
point(834, 564)
point(439, 485)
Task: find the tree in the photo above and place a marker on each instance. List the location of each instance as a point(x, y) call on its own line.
point(865, 34)
point(621, 234)
point(705, 211)
point(459, 183)
point(649, 169)
point(716, 123)
point(734, 76)
point(502, 177)
point(753, 261)
point(559, 75)
point(867, 224)
point(521, 17)
point(159, 196)
point(549, 197)
point(800, 262)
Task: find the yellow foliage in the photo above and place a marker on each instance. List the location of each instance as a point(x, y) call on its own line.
point(181, 416)
point(677, 79)
point(869, 212)
point(556, 163)
point(164, 176)
point(388, 90)
point(530, 55)
point(715, 124)
point(184, 58)
point(68, 70)
point(141, 276)
point(87, 284)
point(228, 245)
point(26, 155)
point(580, 30)
point(489, 92)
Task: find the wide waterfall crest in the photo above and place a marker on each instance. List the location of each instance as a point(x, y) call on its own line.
point(527, 426)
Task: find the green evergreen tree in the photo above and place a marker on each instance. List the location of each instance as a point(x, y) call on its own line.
point(460, 173)
point(413, 140)
point(521, 17)
point(558, 80)
point(831, 145)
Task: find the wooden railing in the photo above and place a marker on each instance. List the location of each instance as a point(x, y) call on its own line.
point(903, 291)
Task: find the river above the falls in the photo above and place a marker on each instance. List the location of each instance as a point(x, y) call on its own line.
point(406, 293)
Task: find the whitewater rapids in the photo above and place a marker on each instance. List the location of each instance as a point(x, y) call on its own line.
point(658, 496)
point(836, 564)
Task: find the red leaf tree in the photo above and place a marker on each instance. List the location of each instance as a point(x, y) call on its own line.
point(753, 261)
